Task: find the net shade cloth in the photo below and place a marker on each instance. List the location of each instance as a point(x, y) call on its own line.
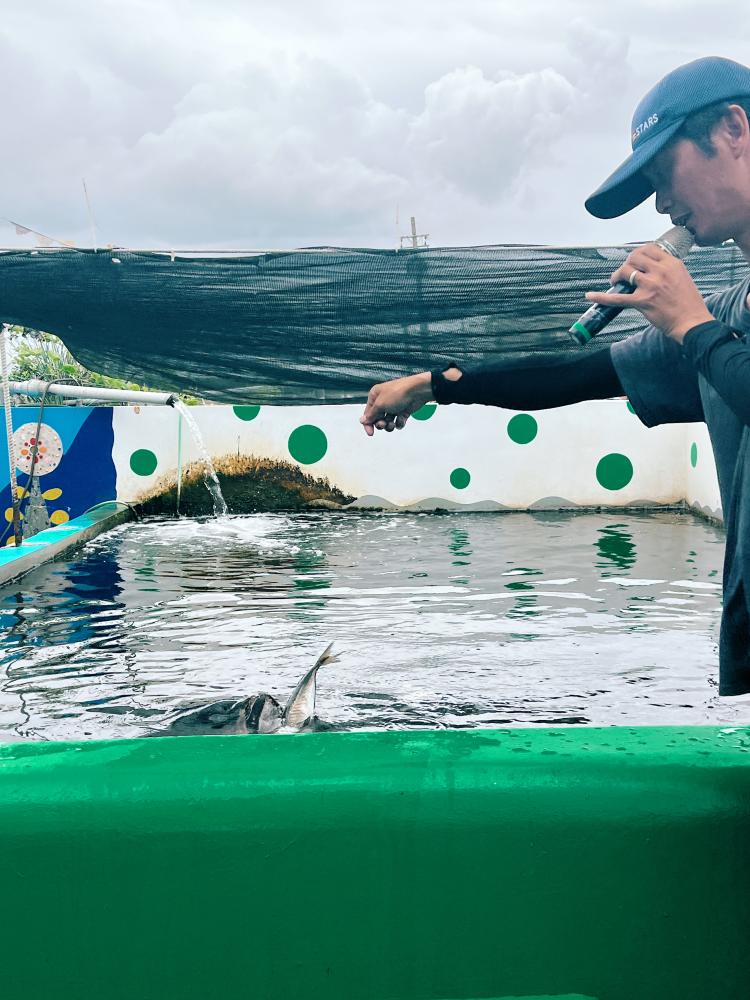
point(321, 325)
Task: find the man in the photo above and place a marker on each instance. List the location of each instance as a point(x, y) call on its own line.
point(691, 146)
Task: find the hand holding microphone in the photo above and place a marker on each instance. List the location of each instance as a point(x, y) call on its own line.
point(653, 280)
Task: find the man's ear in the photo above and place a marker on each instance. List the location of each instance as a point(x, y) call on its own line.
point(736, 128)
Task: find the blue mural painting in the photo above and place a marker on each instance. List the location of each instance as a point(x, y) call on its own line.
point(74, 460)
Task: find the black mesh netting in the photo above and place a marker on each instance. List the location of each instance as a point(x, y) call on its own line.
point(316, 326)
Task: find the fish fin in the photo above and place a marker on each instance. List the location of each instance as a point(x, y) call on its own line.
point(299, 711)
point(327, 657)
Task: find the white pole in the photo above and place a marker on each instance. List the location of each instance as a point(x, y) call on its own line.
point(91, 214)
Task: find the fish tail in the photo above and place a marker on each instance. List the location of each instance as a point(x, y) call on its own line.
point(326, 657)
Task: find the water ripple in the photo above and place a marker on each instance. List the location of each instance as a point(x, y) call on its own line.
point(444, 620)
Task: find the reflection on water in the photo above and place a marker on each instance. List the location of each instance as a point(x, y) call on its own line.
point(616, 547)
point(443, 620)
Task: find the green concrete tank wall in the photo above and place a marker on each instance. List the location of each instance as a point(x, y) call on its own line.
point(611, 863)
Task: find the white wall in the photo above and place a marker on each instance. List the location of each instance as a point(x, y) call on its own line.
point(701, 484)
point(418, 464)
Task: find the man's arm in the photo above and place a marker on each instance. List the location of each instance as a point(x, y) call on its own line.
point(533, 387)
point(583, 376)
point(723, 358)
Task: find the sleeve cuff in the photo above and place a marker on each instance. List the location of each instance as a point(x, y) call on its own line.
point(444, 390)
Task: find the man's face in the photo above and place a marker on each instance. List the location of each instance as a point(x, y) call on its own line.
point(696, 190)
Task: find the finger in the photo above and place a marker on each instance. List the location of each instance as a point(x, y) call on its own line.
point(641, 256)
point(372, 413)
point(627, 274)
point(369, 429)
point(652, 251)
point(635, 261)
point(401, 420)
point(615, 299)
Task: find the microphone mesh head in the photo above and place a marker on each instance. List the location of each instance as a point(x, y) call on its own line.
point(678, 241)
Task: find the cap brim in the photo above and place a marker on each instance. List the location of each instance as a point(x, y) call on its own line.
point(627, 187)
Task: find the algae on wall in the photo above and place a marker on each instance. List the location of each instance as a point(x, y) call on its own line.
point(249, 485)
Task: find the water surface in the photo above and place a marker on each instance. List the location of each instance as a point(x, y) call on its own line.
point(455, 620)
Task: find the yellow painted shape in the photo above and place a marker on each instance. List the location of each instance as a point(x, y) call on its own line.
point(9, 514)
point(52, 494)
point(59, 517)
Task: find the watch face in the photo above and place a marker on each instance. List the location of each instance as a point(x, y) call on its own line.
point(49, 448)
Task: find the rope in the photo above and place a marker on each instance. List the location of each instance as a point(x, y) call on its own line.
point(17, 532)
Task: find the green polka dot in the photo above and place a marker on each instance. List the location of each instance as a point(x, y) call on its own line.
point(522, 428)
point(143, 462)
point(614, 471)
point(246, 412)
point(630, 407)
point(307, 444)
point(460, 479)
point(693, 454)
point(425, 412)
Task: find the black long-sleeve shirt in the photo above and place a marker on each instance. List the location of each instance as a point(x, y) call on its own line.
point(717, 352)
point(721, 355)
point(572, 380)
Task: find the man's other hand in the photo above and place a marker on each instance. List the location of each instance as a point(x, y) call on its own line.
point(663, 291)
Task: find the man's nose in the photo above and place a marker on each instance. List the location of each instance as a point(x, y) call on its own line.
point(663, 203)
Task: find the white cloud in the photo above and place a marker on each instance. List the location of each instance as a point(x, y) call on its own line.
point(478, 133)
point(203, 125)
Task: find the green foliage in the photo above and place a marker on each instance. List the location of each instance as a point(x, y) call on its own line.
point(39, 355)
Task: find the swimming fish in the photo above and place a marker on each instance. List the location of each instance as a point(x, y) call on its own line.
point(260, 713)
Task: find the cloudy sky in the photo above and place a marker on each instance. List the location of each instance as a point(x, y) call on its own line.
point(280, 123)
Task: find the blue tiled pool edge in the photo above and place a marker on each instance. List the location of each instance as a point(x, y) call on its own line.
point(53, 542)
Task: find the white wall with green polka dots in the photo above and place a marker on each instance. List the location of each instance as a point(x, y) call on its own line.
point(701, 482)
point(591, 454)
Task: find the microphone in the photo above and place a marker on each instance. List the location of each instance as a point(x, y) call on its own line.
point(678, 241)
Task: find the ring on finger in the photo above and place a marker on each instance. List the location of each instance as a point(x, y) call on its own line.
point(633, 275)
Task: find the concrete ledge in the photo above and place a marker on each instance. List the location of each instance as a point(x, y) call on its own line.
point(560, 862)
point(711, 514)
point(16, 561)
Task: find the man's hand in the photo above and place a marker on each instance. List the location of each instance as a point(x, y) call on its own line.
point(664, 291)
point(390, 404)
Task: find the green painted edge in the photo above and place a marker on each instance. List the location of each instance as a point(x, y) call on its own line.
point(694, 747)
point(167, 844)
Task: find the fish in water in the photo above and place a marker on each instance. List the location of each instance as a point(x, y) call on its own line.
point(260, 713)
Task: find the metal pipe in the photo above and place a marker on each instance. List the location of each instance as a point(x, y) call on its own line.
point(35, 387)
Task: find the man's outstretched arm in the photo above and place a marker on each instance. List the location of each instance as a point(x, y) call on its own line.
point(579, 377)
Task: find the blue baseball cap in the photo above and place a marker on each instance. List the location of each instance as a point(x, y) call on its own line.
point(657, 118)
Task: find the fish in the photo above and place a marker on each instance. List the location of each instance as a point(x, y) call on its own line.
point(260, 713)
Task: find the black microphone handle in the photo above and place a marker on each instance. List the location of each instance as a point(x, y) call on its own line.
point(597, 316)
